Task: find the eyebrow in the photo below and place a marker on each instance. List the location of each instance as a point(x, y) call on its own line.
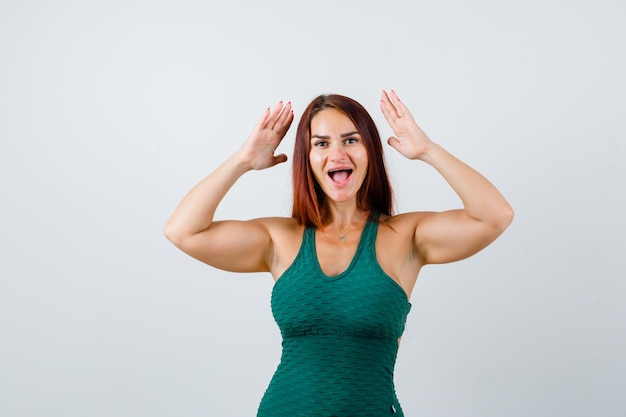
point(343, 135)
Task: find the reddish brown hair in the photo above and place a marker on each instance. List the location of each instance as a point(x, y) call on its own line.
point(309, 201)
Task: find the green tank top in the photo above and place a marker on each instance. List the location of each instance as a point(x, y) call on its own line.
point(340, 336)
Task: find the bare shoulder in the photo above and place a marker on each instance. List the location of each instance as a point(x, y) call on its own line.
point(286, 235)
point(395, 248)
point(398, 231)
point(403, 228)
point(404, 223)
point(279, 226)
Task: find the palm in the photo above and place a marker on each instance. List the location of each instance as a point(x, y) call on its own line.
point(258, 151)
point(410, 140)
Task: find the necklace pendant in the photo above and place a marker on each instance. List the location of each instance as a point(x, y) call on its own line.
point(343, 238)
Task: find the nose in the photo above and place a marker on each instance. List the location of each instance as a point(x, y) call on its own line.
point(337, 153)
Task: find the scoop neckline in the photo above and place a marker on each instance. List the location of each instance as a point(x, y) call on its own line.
point(357, 254)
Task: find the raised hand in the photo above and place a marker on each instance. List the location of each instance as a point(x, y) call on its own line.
point(258, 150)
point(410, 140)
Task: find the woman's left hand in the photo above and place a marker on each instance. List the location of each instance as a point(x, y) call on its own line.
point(410, 140)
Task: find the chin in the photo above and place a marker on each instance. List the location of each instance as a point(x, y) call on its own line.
point(341, 198)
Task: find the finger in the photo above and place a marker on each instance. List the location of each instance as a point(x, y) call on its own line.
point(284, 118)
point(394, 143)
point(397, 104)
point(279, 159)
point(394, 96)
point(284, 115)
point(281, 126)
point(389, 108)
point(274, 114)
point(288, 120)
point(386, 106)
point(392, 121)
point(403, 110)
point(263, 120)
point(385, 102)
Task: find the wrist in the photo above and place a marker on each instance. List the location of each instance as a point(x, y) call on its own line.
point(240, 163)
point(431, 153)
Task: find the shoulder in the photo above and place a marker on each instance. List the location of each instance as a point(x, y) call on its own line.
point(404, 223)
point(282, 230)
point(396, 250)
point(286, 237)
point(405, 228)
point(279, 224)
point(400, 227)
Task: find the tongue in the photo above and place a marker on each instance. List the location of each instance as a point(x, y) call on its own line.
point(340, 176)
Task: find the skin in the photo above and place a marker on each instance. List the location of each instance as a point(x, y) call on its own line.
point(271, 244)
point(336, 145)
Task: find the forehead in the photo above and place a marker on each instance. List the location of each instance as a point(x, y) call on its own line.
point(330, 122)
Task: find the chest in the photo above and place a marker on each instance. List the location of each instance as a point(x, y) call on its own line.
point(392, 251)
point(334, 256)
point(361, 301)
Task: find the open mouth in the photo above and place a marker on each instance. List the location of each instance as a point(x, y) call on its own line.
point(340, 175)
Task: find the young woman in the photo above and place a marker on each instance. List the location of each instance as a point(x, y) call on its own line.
point(344, 265)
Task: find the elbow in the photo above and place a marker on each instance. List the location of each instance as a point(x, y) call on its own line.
point(173, 235)
point(169, 234)
point(505, 217)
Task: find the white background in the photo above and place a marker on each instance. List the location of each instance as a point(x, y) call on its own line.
point(111, 111)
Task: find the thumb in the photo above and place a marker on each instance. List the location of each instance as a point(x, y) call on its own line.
point(394, 142)
point(279, 159)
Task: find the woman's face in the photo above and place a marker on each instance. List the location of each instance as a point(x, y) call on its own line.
point(338, 156)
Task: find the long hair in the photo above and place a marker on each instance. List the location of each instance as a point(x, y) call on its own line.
point(309, 201)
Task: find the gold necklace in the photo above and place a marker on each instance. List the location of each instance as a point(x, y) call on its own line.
point(342, 236)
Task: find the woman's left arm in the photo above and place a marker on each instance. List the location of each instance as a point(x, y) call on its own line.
point(456, 234)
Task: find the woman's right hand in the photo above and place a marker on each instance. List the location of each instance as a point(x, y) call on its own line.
point(258, 150)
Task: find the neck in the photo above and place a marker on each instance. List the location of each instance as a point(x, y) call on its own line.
point(344, 216)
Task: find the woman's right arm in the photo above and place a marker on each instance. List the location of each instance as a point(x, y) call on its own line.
point(242, 246)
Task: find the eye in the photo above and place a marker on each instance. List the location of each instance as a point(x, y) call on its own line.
point(350, 140)
point(320, 143)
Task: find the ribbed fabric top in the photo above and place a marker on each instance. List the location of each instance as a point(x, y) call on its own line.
point(340, 336)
